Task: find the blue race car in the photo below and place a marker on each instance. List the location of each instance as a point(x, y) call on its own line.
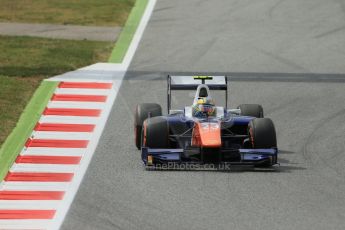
point(204, 133)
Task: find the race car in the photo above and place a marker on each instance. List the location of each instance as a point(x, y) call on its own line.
point(203, 133)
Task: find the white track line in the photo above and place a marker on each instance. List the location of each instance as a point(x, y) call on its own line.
point(30, 204)
point(62, 135)
point(76, 105)
point(34, 186)
point(79, 174)
point(113, 71)
point(53, 151)
point(69, 120)
point(54, 168)
point(61, 213)
point(24, 224)
point(138, 34)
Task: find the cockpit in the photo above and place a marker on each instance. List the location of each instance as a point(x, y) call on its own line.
point(203, 105)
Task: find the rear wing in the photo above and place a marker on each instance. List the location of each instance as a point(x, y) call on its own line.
point(192, 83)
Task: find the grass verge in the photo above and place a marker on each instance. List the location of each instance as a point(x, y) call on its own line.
point(31, 114)
point(128, 32)
point(31, 56)
point(25, 61)
point(38, 58)
point(76, 12)
point(15, 93)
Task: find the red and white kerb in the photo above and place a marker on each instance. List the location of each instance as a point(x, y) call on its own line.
point(37, 183)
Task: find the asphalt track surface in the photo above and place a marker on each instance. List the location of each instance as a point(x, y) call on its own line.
point(296, 43)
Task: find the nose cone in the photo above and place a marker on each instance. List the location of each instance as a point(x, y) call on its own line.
point(207, 134)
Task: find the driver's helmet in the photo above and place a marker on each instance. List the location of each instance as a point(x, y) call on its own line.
point(204, 108)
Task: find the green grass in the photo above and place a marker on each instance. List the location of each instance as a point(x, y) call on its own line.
point(128, 32)
point(19, 90)
point(25, 61)
point(15, 93)
point(76, 12)
point(28, 56)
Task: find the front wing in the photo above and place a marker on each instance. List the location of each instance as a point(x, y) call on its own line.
point(255, 157)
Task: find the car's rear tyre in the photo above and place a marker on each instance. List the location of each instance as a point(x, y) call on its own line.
point(252, 110)
point(142, 112)
point(262, 135)
point(156, 133)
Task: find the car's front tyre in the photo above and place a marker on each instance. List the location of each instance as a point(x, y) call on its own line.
point(156, 133)
point(142, 112)
point(262, 135)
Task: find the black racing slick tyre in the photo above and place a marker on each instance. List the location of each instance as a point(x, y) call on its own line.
point(252, 110)
point(156, 133)
point(262, 135)
point(142, 112)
